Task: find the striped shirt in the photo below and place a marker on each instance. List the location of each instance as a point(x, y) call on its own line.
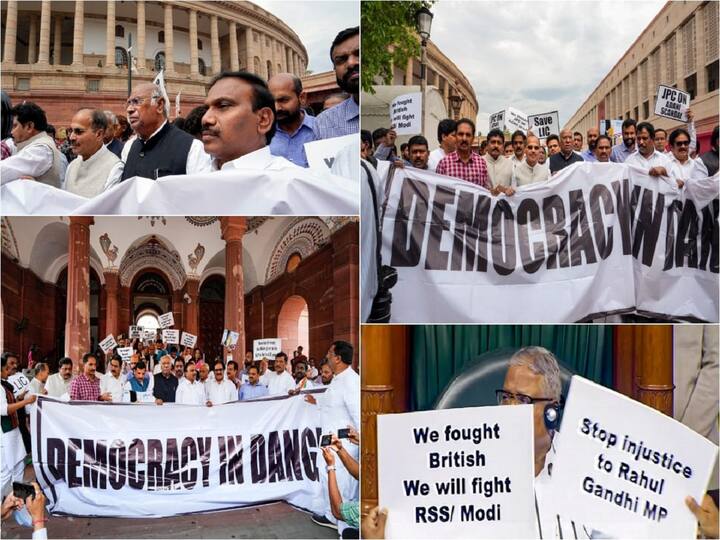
point(474, 171)
point(342, 119)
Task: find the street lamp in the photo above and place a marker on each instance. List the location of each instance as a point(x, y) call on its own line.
point(423, 23)
point(455, 104)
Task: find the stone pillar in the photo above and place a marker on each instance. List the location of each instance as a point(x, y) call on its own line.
point(112, 285)
point(234, 57)
point(10, 33)
point(32, 40)
point(110, 34)
point(345, 284)
point(45, 18)
point(233, 230)
point(288, 60)
point(57, 41)
point(140, 50)
point(77, 325)
point(169, 62)
point(78, 33)
point(261, 54)
point(700, 49)
point(194, 70)
point(215, 44)
point(273, 56)
point(191, 311)
point(249, 50)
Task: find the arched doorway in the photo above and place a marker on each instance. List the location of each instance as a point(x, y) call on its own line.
point(212, 316)
point(151, 296)
point(61, 312)
point(294, 325)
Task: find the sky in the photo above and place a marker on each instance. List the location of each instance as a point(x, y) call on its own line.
point(316, 23)
point(536, 56)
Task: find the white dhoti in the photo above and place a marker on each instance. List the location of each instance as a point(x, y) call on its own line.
point(12, 467)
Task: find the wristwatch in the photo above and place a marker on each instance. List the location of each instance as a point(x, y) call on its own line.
point(330, 468)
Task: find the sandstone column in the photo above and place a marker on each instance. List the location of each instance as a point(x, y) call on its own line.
point(191, 315)
point(249, 50)
point(140, 49)
point(78, 33)
point(233, 230)
point(296, 67)
point(77, 325)
point(32, 40)
point(45, 18)
point(57, 41)
point(169, 63)
point(288, 59)
point(110, 34)
point(10, 33)
point(194, 70)
point(215, 44)
point(112, 283)
point(234, 57)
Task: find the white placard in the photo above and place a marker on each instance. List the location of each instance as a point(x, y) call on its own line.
point(321, 154)
point(406, 115)
point(497, 120)
point(135, 332)
point(515, 119)
point(672, 103)
point(188, 339)
point(650, 462)
point(266, 348)
point(171, 336)
point(167, 320)
point(545, 124)
point(230, 338)
point(125, 353)
point(150, 333)
point(458, 473)
point(108, 344)
point(19, 383)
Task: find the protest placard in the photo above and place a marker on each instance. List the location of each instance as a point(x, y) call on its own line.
point(497, 120)
point(108, 344)
point(125, 353)
point(405, 114)
point(229, 338)
point(167, 320)
point(321, 154)
point(266, 348)
point(515, 119)
point(135, 332)
point(458, 473)
point(188, 339)
point(149, 334)
point(171, 336)
point(672, 103)
point(545, 124)
point(624, 469)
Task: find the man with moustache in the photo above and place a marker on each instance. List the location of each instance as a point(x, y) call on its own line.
point(622, 151)
point(86, 386)
point(96, 168)
point(647, 157)
point(530, 171)
point(58, 384)
point(683, 167)
point(418, 150)
point(592, 134)
point(343, 119)
point(446, 131)
point(165, 383)
point(294, 127)
point(112, 381)
point(463, 163)
point(567, 155)
point(603, 148)
point(499, 168)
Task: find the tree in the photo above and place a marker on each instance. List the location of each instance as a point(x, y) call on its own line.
point(388, 38)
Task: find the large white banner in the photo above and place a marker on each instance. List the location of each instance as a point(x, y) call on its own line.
point(145, 460)
point(597, 239)
point(624, 469)
point(294, 191)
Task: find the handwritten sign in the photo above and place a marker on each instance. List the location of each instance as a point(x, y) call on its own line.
point(167, 320)
point(125, 353)
point(188, 340)
point(266, 348)
point(171, 336)
point(108, 344)
point(405, 114)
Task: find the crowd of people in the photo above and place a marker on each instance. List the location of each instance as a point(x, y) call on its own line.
point(245, 123)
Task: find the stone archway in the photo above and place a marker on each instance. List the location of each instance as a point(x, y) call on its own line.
point(293, 325)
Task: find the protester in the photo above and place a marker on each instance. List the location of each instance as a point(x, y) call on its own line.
point(529, 170)
point(253, 388)
point(446, 134)
point(7, 145)
point(710, 158)
point(96, 168)
point(231, 372)
point(499, 169)
point(335, 99)
point(682, 167)
point(326, 374)
point(366, 147)
point(294, 128)
point(518, 140)
point(42, 372)
point(592, 134)
point(160, 148)
point(58, 384)
point(508, 150)
point(178, 368)
point(577, 141)
point(553, 144)
point(139, 382)
point(542, 156)
point(302, 378)
point(463, 163)
point(217, 388)
point(193, 122)
point(418, 151)
point(165, 383)
point(567, 155)
point(189, 390)
point(343, 510)
point(37, 157)
point(344, 118)
point(623, 150)
point(603, 149)
point(86, 386)
point(647, 157)
point(112, 381)
point(280, 382)
point(203, 371)
point(124, 130)
point(112, 143)
point(660, 140)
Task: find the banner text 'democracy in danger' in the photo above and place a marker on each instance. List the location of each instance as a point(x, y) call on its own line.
point(138, 460)
point(596, 239)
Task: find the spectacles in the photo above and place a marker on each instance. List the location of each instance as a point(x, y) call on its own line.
point(136, 101)
point(682, 143)
point(504, 397)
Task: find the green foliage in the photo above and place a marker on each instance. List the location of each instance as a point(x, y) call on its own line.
point(384, 24)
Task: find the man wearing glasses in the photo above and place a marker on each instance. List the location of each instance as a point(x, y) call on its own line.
point(219, 389)
point(343, 119)
point(682, 166)
point(160, 148)
point(530, 170)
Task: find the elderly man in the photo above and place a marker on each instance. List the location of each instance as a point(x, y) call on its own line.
point(165, 383)
point(294, 127)
point(58, 384)
point(86, 386)
point(603, 148)
point(96, 168)
point(530, 170)
point(647, 157)
point(567, 155)
point(37, 157)
point(280, 382)
point(499, 169)
point(218, 389)
point(343, 119)
point(592, 134)
point(160, 148)
point(111, 132)
point(622, 151)
point(682, 166)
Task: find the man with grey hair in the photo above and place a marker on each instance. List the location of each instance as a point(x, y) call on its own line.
point(160, 148)
point(111, 143)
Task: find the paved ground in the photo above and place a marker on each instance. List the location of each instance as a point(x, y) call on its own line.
point(278, 520)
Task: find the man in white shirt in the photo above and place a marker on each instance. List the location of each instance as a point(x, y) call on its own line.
point(446, 131)
point(499, 169)
point(58, 384)
point(37, 156)
point(682, 166)
point(518, 144)
point(280, 382)
point(219, 389)
point(112, 381)
point(189, 390)
point(96, 168)
point(529, 171)
point(646, 157)
point(42, 372)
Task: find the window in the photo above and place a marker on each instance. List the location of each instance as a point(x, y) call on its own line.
point(711, 72)
point(161, 36)
point(159, 61)
point(93, 85)
point(670, 58)
point(637, 113)
point(199, 45)
point(688, 45)
point(691, 86)
point(201, 67)
point(256, 65)
point(22, 84)
point(646, 110)
point(293, 262)
point(121, 57)
point(269, 69)
point(119, 31)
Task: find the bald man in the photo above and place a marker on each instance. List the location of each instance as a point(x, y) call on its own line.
point(592, 136)
point(294, 127)
point(160, 148)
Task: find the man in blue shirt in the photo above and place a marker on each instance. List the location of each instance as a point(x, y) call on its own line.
point(252, 389)
point(592, 134)
point(343, 119)
point(294, 126)
point(622, 151)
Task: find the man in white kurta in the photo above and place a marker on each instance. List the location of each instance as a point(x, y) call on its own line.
point(58, 384)
point(218, 389)
point(112, 381)
point(189, 390)
point(279, 382)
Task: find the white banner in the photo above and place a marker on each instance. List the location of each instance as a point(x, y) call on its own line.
point(108, 344)
point(266, 348)
point(458, 473)
point(624, 469)
point(289, 191)
point(565, 250)
point(187, 339)
point(515, 119)
point(142, 460)
point(405, 114)
point(545, 124)
point(171, 336)
point(672, 103)
point(321, 154)
point(167, 320)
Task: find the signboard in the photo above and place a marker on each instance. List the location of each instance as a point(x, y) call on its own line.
point(229, 338)
point(150, 334)
point(497, 120)
point(266, 348)
point(545, 124)
point(188, 340)
point(171, 336)
point(135, 332)
point(321, 154)
point(624, 469)
point(672, 103)
point(406, 115)
point(458, 473)
point(515, 119)
point(125, 353)
point(108, 344)
point(167, 320)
